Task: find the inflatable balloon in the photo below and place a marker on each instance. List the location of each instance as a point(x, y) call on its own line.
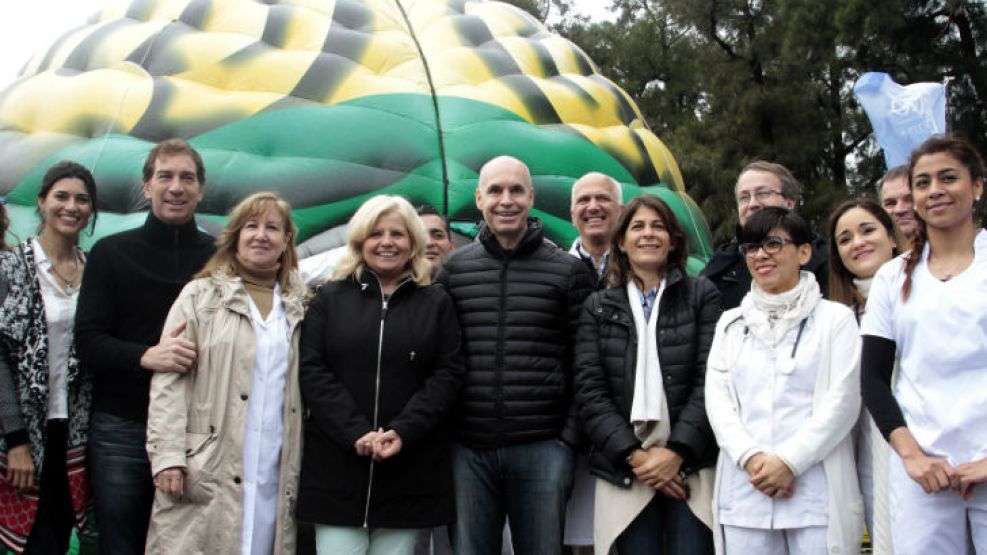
point(327, 102)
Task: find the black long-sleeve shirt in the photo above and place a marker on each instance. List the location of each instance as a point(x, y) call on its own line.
point(131, 280)
point(876, 367)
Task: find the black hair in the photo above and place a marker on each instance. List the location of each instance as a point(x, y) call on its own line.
point(4, 224)
point(69, 169)
point(429, 210)
point(766, 219)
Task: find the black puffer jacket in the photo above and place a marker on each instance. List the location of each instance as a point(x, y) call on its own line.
point(519, 311)
point(606, 363)
point(417, 342)
point(728, 270)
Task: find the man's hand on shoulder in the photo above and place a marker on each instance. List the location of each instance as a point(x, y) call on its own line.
point(173, 353)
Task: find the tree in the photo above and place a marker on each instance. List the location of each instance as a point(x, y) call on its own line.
point(725, 82)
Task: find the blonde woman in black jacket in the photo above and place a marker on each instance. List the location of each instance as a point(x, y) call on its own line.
point(380, 369)
point(640, 369)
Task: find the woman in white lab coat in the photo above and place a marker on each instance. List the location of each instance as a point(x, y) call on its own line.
point(783, 394)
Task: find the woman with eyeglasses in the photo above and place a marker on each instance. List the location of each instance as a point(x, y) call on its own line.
point(929, 307)
point(783, 394)
point(863, 238)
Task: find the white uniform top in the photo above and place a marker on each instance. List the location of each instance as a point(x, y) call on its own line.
point(941, 337)
point(264, 431)
point(774, 406)
point(60, 318)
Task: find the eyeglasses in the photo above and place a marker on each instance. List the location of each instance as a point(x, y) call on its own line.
point(761, 196)
point(771, 245)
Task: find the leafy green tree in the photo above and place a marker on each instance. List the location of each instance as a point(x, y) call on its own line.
point(725, 82)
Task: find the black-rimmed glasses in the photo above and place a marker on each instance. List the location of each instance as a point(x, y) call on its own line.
point(771, 245)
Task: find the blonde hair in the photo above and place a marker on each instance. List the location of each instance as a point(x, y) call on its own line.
point(224, 261)
point(362, 224)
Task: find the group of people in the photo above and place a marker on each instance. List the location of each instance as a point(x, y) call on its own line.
point(205, 400)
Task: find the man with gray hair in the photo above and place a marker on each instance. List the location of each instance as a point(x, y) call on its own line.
point(597, 200)
point(761, 184)
point(896, 198)
point(518, 297)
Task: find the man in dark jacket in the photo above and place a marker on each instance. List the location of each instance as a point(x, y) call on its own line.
point(761, 184)
point(131, 280)
point(518, 297)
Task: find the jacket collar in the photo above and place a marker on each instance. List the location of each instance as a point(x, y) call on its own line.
point(161, 233)
point(533, 238)
point(615, 298)
point(234, 296)
point(370, 283)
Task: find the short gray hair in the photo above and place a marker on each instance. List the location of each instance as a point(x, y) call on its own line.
point(618, 189)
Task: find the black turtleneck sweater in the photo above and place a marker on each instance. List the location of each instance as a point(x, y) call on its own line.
point(131, 280)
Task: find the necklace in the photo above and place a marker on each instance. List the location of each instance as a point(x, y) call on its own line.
point(948, 273)
point(70, 287)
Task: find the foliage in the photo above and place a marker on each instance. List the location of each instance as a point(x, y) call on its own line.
point(726, 82)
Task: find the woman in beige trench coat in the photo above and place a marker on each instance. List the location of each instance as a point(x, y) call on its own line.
point(224, 439)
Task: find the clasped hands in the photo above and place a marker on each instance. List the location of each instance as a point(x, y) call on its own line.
point(378, 444)
point(771, 476)
point(935, 474)
point(658, 468)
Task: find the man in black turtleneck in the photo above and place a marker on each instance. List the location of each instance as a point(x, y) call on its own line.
point(760, 184)
point(130, 282)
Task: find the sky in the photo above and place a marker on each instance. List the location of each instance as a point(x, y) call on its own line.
point(28, 27)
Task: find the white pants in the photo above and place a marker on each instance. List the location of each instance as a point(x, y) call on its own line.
point(924, 523)
point(810, 540)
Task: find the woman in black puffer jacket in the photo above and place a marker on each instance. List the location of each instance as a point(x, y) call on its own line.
point(380, 369)
point(640, 369)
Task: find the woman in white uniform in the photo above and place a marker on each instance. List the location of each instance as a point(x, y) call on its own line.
point(224, 439)
point(929, 306)
point(862, 238)
point(783, 394)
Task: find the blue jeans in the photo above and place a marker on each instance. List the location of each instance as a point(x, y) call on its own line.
point(121, 479)
point(529, 484)
point(665, 527)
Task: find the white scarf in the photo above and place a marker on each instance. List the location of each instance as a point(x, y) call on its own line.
point(649, 393)
point(863, 286)
point(769, 317)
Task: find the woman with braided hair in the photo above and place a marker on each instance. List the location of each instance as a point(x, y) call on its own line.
point(929, 306)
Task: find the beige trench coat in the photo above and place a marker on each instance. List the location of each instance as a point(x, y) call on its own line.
point(196, 422)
